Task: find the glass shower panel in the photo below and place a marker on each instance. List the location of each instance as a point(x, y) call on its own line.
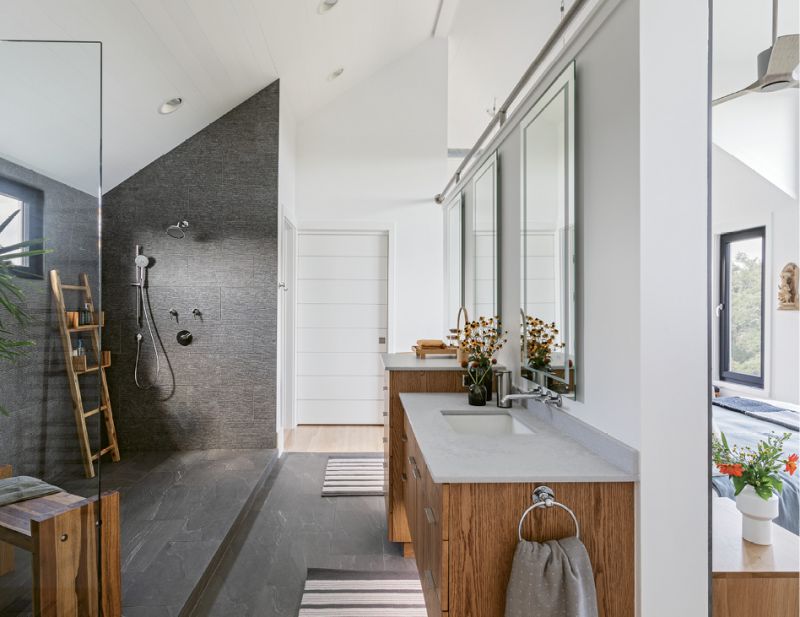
point(51, 403)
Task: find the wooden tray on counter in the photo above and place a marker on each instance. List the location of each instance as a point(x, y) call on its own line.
point(434, 351)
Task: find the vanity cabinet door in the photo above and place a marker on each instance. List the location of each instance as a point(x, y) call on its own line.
point(387, 432)
point(436, 545)
point(409, 477)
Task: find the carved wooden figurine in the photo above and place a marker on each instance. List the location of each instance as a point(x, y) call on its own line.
point(788, 294)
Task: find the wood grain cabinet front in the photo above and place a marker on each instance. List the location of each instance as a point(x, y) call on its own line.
point(398, 382)
point(464, 536)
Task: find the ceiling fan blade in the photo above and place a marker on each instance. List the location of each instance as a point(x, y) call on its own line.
point(735, 95)
point(785, 55)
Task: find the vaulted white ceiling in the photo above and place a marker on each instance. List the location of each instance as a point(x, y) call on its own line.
point(214, 55)
point(491, 46)
point(761, 130)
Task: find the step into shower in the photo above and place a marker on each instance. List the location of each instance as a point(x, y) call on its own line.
point(179, 511)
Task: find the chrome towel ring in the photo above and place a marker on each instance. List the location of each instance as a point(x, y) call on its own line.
point(544, 497)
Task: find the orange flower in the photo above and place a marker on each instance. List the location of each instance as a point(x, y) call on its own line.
point(791, 464)
point(731, 470)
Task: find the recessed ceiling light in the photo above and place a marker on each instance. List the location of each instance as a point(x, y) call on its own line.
point(337, 73)
point(170, 105)
point(326, 5)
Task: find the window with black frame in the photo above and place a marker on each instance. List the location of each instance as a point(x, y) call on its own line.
point(21, 220)
point(741, 307)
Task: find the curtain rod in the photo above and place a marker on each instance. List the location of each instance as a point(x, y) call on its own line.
point(500, 116)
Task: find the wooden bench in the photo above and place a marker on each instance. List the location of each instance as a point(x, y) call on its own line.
point(61, 533)
point(750, 579)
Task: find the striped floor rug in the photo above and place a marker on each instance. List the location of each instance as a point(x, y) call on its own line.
point(346, 593)
point(353, 477)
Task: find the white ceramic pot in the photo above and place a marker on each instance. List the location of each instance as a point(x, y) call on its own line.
point(757, 515)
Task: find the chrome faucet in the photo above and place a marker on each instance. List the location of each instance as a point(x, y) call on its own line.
point(539, 394)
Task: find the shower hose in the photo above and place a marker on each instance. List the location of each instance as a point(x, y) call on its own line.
point(144, 298)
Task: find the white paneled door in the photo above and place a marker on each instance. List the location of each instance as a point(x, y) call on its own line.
point(342, 316)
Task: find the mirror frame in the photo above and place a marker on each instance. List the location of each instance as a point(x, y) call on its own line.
point(456, 203)
point(568, 384)
point(490, 165)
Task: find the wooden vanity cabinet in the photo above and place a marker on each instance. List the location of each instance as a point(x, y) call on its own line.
point(397, 382)
point(464, 536)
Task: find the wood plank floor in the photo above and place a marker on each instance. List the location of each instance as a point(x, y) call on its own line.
point(350, 438)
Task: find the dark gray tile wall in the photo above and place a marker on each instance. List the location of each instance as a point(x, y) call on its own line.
point(39, 436)
point(219, 392)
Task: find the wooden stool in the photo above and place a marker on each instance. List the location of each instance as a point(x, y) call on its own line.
point(61, 533)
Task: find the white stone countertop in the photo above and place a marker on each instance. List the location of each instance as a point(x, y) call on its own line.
point(410, 362)
point(547, 455)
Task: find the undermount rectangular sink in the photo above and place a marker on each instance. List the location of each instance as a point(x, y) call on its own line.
point(484, 423)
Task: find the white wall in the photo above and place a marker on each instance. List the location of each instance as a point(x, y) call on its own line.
point(287, 156)
point(607, 224)
point(742, 199)
point(643, 365)
point(376, 157)
point(287, 130)
point(673, 369)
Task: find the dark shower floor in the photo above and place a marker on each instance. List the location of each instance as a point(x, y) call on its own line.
point(178, 509)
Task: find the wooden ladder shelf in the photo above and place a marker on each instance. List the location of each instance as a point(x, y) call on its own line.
point(74, 371)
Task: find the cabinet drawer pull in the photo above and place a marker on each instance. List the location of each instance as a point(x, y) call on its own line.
point(404, 439)
point(429, 515)
point(416, 473)
point(385, 414)
point(385, 440)
point(404, 476)
point(385, 388)
point(412, 461)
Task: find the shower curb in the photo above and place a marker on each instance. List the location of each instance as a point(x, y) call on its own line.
point(193, 601)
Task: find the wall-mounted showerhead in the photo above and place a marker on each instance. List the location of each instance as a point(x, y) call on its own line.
point(177, 231)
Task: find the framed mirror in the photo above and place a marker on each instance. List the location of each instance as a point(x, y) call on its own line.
point(548, 238)
point(484, 266)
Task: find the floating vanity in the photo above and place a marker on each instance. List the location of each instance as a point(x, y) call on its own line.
point(404, 372)
point(468, 474)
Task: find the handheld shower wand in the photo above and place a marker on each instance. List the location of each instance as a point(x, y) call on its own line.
point(142, 262)
point(142, 299)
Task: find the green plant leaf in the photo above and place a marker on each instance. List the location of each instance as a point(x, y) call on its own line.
point(765, 492)
point(738, 484)
point(776, 482)
point(8, 220)
point(22, 245)
point(12, 297)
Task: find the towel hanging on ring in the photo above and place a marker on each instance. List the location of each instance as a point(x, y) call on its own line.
point(551, 579)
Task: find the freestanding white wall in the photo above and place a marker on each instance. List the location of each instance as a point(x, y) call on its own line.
point(376, 157)
point(674, 307)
